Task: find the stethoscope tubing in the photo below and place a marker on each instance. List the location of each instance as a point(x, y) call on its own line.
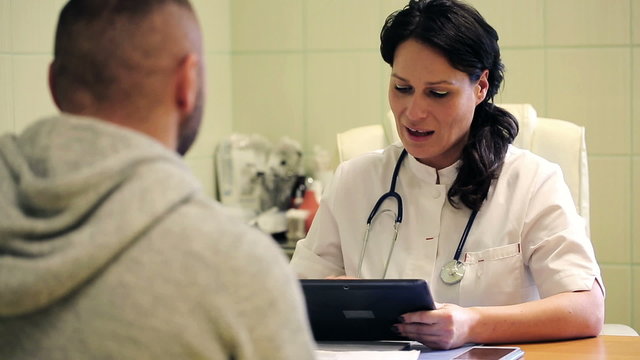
point(389, 194)
point(465, 233)
point(399, 215)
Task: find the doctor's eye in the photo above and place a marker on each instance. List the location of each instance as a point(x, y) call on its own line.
point(403, 89)
point(438, 94)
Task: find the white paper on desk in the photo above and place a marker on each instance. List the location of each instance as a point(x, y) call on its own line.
point(366, 345)
point(368, 355)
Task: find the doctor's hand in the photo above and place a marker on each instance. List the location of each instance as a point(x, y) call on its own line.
point(447, 327)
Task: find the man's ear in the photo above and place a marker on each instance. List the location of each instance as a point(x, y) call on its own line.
point(482, 87)
point(52, 86)
point(187, 84)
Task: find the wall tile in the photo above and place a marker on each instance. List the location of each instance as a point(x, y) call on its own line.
point(580, 91)
point(385, 78)
point(635, 21)
point(268, 95)
point(272, 25)
point(389, 6)
point(567, 27)
point(215, 20)
point(617, 282)
point(203, 169)
point(635, 300)
point(6, 94)
point(610, 208)
point(330, 25)
point(343, 92)
point(5, 26)
point(32, 99)
point(636, 100)
point(388, 124)
point(216, 120)
point(33, 23)
point(524, 80)
point(518, 22)
point(635, 211)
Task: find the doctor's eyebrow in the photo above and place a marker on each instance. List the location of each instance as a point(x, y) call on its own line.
point(428, 83)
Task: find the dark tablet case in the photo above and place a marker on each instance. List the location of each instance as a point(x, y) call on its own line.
point(362, 310)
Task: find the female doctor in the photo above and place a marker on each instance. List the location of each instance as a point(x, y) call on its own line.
point(491, 227)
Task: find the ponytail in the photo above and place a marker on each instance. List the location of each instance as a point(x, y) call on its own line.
point(492, 130)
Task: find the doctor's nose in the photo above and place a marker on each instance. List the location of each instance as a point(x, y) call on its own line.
point(417, 108)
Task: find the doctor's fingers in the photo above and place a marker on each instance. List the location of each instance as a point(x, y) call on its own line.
point(443, 314)
point(433, 336)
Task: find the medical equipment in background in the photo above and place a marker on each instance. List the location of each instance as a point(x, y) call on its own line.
point(283, 170)
point(240, 159)
point(260, 181)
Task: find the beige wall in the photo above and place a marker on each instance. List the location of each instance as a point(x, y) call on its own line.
point(311, 68)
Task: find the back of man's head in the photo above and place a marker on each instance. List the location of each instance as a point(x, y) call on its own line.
point(109, 52)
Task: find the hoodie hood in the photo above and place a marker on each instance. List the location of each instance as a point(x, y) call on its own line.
point(74, 193)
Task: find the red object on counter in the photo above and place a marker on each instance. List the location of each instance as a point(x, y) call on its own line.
point(309, 203)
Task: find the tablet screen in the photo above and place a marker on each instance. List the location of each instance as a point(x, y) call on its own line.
point(356, 310)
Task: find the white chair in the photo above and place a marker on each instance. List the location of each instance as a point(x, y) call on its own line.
point(618, 330)
point(563, 143)
point(360, 140)
point(363, 139)
point(558, 141)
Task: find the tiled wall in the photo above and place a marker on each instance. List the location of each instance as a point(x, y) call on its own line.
point(215, 20)
point(310, 68)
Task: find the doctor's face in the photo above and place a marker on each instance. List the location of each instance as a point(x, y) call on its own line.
point(433, 103)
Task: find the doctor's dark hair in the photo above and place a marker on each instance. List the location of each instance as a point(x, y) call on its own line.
point(93, 45)
point(470, 45)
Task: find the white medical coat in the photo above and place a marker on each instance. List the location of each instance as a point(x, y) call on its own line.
point(527, 241)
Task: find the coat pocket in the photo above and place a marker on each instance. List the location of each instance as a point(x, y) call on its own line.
point(496, 276)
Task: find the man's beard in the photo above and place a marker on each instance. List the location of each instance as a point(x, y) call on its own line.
point(188, 130)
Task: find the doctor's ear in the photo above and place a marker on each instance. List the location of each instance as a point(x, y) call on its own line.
point(482, 87)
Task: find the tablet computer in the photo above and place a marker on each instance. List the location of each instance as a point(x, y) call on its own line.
point(362, 310)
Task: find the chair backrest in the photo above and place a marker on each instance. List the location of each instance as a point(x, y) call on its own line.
point(558, 141)
point(363, 139)
point(360, 140)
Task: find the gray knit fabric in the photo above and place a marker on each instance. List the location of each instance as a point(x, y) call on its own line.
point(109, 250)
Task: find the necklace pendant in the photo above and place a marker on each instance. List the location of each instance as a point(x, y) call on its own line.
point(452, 272)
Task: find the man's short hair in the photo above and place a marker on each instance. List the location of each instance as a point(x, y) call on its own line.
point(93, 48)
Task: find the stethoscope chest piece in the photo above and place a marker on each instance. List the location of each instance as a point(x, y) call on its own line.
point(452, 272)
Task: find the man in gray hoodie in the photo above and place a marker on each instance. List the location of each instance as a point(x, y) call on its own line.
point(108, 247)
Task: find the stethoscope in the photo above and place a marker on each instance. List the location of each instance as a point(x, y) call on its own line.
point(452, 272)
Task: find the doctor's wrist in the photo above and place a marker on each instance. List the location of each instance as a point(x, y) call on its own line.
point(475, 326)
